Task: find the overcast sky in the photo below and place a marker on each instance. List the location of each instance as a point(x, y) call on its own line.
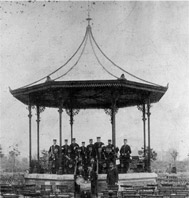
point(148, 39)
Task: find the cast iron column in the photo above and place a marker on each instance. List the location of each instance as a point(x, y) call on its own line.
point(113, 111)
point(72, 112)
point(149, 148)
point(144, 129)
point(71, 123)
point(60, 136)
point(30, 142)
point(60, 124)
point(38, 121)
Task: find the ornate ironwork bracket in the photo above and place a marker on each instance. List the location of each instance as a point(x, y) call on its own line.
point(29, 108)
point(60, 110)
point(140, 108)
point(32, 107)
point(72, 113)
point(109, 112)
point(39, 110)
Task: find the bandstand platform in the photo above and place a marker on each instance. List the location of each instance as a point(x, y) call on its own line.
point(68, 180)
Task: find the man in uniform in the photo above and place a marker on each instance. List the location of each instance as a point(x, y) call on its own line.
point(84, 153)
point(125, 152)
point(79, 158)
point(74, 146)
point(98, 144)
point(92, 177)
point(101, 160)
point(69, 162)
point(112, 175)
point(113, 150)
point(79, 177)
point(54, 151)
point(93, 164)
point(109, 156)
point(110, 145)
point(91, 153)
point(90, 144)
point(64, 149)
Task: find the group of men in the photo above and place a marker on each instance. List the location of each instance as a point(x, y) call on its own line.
point(69, 157)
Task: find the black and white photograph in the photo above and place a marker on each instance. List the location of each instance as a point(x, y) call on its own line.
point(94, 99)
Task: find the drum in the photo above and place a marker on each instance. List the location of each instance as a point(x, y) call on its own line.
point(80, 180)
point(85, 186)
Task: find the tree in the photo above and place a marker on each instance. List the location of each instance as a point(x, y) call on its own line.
point(153, 157)
point(13, 154)
point(174, 154)
point(1, 152)
point(153, 154)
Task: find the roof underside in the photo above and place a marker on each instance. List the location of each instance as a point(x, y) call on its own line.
point(89, 94)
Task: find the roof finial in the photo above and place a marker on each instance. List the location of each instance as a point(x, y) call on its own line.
point(88, 18)
point(88, 10)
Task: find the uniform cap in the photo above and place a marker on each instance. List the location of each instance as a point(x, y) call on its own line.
point(90, 139)
point(109, 140)
point(98, 137)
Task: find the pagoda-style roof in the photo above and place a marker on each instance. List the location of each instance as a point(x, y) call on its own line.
point(89, 94)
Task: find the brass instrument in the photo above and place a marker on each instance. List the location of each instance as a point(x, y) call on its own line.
point(68, 158)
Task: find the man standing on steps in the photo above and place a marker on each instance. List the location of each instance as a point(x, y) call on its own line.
point(92, 177)
point(112, 175)
point(125, 152)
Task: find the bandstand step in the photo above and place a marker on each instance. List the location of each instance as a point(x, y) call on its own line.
point(68, 180)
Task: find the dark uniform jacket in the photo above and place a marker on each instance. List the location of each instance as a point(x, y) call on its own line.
point(100, 156)
point(91, 152)
point(112, 176)
point(74, 147)
point(65, 149)
point(125, 152)
point(111, 146)
point(92, 177)
point(109, 157)
point(98, 145)
point(90, 145)
point(83, 152)
point(54, 152)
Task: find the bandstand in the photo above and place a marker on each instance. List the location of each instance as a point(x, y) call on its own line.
point(72, 96)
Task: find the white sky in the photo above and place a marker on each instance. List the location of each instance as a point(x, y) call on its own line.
point(148, 39)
